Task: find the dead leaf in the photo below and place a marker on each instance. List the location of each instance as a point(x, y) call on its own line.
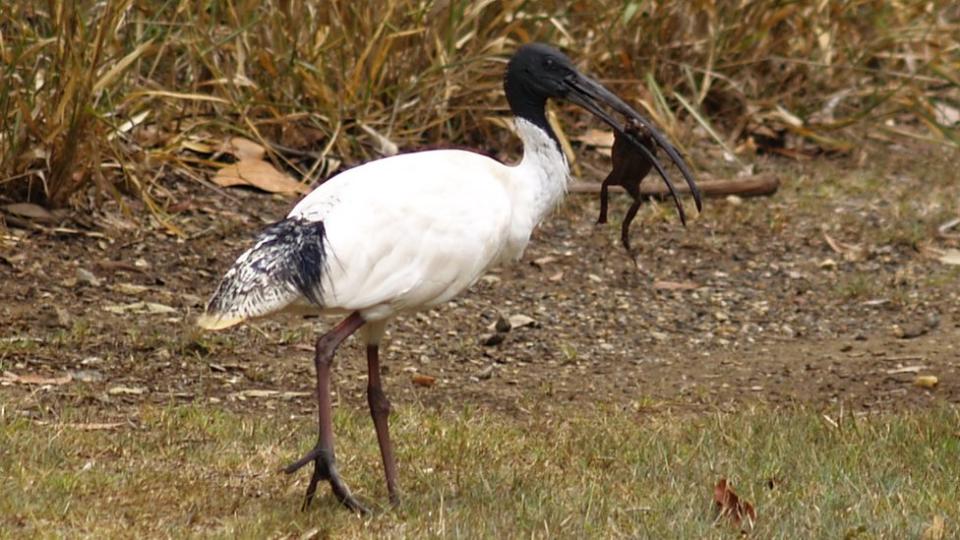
point(260, 393)
point(140, 307)
point(30, 211)
point(946, 256)
point(126, 391)
point(905, 369)
point(675, 285)
point(731, 505)
point(130, 288)
point(926, 381)
point(32, 378)
point(519, 321)
point(197, 146)
point(244, 149)
point(256, 393)
point(425, 381)
point(543, 261)
point(944, 229)
point(950, 256)
point(96, 426)
point(259, 174)
point(850, 252)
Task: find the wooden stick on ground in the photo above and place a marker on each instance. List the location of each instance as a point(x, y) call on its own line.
point(751, 186)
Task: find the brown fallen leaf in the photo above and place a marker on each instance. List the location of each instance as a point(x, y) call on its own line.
point(196, 146)
point(126, 391)
point(729, 504)
point(675, 285)
point(543, 261)
point(258, 174)
point(425, 381)
point(244, 149)
point(31, 378)
point(850, 252)
point(30, 211)
point(95, 426)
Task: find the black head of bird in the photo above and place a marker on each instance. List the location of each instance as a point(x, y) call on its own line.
point(537, 72)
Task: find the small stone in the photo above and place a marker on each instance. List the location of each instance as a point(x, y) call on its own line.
point(502, 325)
point(721, 316)
point(594, 278)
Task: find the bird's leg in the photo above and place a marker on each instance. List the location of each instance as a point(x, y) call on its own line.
point(380, 411)
point(322, 454)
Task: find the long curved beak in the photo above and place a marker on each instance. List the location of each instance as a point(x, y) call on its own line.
point(590, 94)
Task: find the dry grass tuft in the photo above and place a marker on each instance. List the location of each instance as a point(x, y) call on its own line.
point(120, 94)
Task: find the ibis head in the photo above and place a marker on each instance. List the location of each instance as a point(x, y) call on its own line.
point(538, 72)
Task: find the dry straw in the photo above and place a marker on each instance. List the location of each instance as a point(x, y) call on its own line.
point(122, 96)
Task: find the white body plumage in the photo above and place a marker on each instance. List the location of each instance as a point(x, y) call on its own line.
point(402, 233)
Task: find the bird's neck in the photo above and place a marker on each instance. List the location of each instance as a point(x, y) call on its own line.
point(526, 104)
point(543, 172)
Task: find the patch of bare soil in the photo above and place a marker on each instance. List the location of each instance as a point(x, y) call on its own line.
point(832, 291)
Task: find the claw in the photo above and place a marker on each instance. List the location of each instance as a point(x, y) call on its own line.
point(324, 468)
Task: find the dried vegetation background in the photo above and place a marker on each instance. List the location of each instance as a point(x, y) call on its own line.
point(99, 99)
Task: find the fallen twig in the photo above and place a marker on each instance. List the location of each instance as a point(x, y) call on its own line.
point(753, 186)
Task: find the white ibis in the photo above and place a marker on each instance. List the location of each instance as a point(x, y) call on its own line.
point(410, 232)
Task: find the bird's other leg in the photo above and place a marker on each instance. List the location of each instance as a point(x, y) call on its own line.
point(322, 454)
point(380, 411)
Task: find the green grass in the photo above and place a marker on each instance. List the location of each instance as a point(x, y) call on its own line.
point(198, 470)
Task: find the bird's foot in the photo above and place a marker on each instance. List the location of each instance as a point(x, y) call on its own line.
point(324, 468)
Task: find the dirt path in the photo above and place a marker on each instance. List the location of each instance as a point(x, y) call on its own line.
point(827, 292)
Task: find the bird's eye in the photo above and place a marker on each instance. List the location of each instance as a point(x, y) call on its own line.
point(549, 62)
